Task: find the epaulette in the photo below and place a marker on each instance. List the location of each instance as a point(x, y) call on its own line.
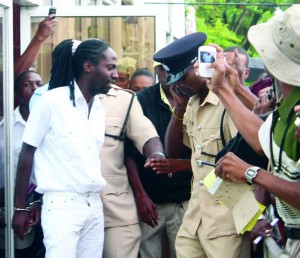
point(116, 87)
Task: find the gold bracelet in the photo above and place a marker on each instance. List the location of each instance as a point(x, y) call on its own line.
point(179, 119)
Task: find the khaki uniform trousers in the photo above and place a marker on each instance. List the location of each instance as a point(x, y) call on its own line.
point(170, 219)
point(122, 242)
point(196, 246)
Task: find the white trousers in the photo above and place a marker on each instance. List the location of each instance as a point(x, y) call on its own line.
point(73, 225)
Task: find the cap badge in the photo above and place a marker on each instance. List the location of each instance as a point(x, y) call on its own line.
point(166, 67)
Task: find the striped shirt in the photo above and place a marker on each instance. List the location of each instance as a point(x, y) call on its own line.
point(290, 153)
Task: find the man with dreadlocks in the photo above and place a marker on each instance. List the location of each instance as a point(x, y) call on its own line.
point(61, 141)
point(123, 116)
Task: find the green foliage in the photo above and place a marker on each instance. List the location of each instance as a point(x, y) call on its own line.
point(227, 23)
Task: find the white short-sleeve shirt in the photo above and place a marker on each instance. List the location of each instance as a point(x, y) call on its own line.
point(68, 142)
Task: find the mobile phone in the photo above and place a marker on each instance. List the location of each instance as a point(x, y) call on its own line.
point(52, 10)
point(179, 91)
point(270, 93)
point(206, 55)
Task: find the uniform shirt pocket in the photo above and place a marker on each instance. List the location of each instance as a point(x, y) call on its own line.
point(113, 127)
point(211, 142)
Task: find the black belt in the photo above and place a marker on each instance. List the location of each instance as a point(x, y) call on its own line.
point(292, 233)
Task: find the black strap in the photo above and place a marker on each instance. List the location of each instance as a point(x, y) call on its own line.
point(221, 128)
point(121, 137)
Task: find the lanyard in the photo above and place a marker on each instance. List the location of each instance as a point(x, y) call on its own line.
point(288, 123)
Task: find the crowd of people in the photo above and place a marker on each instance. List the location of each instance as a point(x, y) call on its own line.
point(111, 165)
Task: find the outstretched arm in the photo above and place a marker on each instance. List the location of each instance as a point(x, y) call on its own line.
point(246, 122)
point(171, 165)
point(232, 168)
point(26, 60)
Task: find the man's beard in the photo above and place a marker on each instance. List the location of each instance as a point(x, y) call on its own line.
point(101, 90)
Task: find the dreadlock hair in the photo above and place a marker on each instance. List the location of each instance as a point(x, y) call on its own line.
point(61, 71)
point(89, 50)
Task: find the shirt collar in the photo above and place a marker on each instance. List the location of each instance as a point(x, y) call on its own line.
point(164, 97)
point(79, 97)
point(77, 93)
point(18, 117)
point(211, 98)
point(288, 104)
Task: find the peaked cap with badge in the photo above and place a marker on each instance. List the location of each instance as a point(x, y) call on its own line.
point(180, 55)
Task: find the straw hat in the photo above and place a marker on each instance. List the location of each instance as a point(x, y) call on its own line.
point(278, 43)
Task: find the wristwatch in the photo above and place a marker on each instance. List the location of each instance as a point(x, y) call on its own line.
point(251, 173)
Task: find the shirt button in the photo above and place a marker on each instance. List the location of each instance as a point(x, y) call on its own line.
point(201, 183)
point(199, 128)
point(198, 146)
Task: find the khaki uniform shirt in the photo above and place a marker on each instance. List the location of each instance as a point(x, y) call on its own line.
point(202, 135)
point(117, 197)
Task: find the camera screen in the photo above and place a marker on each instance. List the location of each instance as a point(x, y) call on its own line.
point(206, 57)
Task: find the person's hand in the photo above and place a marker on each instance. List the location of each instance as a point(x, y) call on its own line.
point(154, 155)
point(234, 73)
point(231, 168)
point(218, 80)
point(35, 213)
point(264, 105)
point(180, 100)
point(164, 166)
point(20, 223)
point(46, 28)
point(147, 211)
point(261, 228)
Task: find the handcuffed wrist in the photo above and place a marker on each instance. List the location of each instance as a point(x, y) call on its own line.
point(37, 201)
point(22, 209)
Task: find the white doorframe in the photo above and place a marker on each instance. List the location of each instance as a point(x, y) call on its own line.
point(6, 12)
point(95, 11)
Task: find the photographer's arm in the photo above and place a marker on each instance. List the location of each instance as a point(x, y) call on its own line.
point(246, 122)
point(26, 60)
point(232, 168)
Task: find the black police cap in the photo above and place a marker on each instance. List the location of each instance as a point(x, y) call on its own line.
point(180, 55)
